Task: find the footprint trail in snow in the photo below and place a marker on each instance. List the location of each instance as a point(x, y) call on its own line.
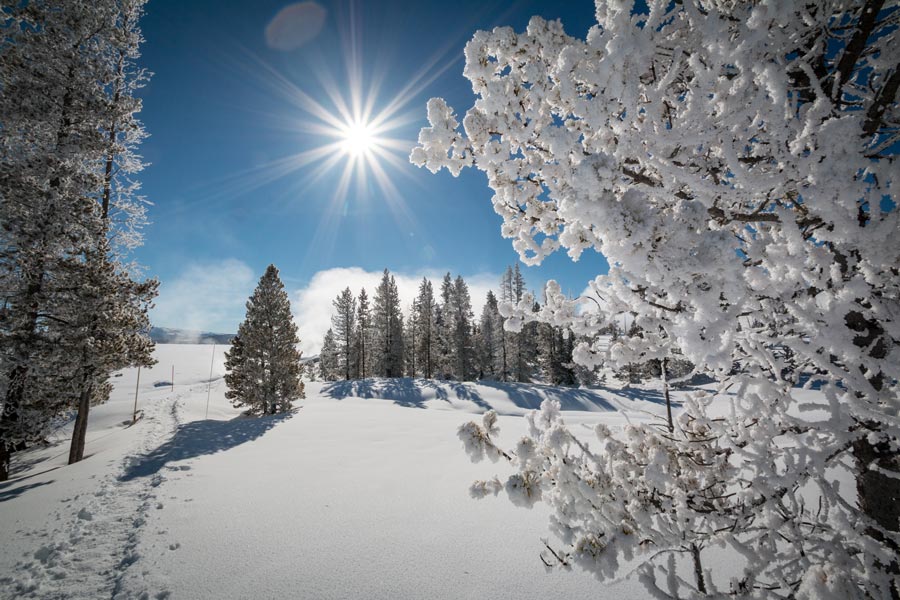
point(91, 549)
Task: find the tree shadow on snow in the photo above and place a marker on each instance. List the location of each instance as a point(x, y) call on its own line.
point(405, 391)
point(9, 490)
point(200, 438)
point(414, 393)
point(642, 394)
point(530, 395)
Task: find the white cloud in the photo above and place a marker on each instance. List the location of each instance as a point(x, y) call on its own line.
point(205, 297)
point(313, 303)
point(212, 296)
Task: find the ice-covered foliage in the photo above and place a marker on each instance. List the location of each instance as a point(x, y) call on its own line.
point(735, 164)
point(69, 211)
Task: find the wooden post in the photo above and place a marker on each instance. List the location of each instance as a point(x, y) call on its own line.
point(173, 379)
point(137, 386)
point(209, 381)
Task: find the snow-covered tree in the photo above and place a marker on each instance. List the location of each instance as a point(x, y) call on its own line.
point(109, 324)
point(426, 348)
point(411, 341)
point(328, 357)
point(490, 339)
point(734, 162)
point(343, 324)
point(362, 339)
point(444, 327)
point(68, 150)
point(520, 345)
point(555, 355)
point(236, 377)
point(264, 361)
point(459, 312)
point(387, 325)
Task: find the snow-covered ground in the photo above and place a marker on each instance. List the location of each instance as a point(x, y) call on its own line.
point(361, 492)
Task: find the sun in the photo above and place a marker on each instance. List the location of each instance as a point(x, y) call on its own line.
point(358, 138)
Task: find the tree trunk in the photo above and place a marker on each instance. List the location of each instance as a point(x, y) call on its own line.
point(76, 450)
point(698, 569)
point(878, 465)
point(15, 392)
point(5, 456)
point(878, 488)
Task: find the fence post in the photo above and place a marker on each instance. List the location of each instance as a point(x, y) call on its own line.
point(209, 381)
point(136, 388)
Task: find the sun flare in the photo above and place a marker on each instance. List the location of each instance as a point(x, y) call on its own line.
point(358, 138)
point(352, 135)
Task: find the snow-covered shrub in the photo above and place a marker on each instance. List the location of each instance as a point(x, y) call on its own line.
point(734, 162)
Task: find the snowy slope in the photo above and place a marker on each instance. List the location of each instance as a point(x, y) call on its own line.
point(362, 492)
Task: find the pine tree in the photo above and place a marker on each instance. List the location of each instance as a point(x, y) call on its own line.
point(236, 376)
point(490, 339)
point(521, 346)
point(410, 341)
point(328, 357)
point(445, 325)
point(109, 324)
point(343, 323)
point(555, 355)
point(267, 359)
point(67, 146)
point(425, 325)
point(362, 339)
point(462, 342)
point(115, 330)
point(387, 322)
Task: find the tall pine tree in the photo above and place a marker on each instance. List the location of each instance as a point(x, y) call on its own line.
point(67, 147)
point(343, 323)
point(387, 323)
point(265, 364)
point(362, 337)
point(328, 357)
point(426, 346)
point(490, 339)
point(463, 347)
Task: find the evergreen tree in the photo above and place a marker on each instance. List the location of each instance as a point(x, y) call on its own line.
point(236, 377)
point(463, 347)
point(410, 341)
point(267, 362)
point(520, 347)
point(343, 323)
point(362, 337)
point(426, 348)
point(67, 148)
point(387, 322)
point(109, 324)
point(555, 355)
point(490, 339)
point(445, 325)
point(328, 357)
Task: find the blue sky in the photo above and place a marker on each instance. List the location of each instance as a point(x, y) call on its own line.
point(223, 112)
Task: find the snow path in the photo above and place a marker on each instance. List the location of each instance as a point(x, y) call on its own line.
point(88, 551)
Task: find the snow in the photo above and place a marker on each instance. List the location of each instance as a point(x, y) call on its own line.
point(362, 491)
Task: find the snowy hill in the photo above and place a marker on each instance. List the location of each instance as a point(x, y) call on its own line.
point(361, 492)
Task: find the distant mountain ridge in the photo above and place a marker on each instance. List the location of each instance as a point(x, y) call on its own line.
point(167, 335)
